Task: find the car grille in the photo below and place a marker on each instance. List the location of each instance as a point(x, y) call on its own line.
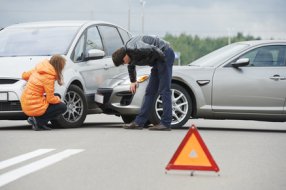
point(10, 106)
point(8, 81)
point(126, 98)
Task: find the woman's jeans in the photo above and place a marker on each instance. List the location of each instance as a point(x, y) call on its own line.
point(52, 112)
point(160, 81)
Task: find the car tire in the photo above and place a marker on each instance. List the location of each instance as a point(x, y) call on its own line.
point(181, 105)
point(128, 118)
point(76, 109)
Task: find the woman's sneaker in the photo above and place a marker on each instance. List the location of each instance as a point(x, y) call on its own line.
point(32, 121)
point(44, 127)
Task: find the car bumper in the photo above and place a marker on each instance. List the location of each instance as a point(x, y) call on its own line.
point(119, 100)
point(10, 106)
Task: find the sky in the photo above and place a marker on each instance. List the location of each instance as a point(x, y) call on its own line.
point(205, 18)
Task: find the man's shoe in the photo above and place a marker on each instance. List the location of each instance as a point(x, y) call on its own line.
point(160, 127)
point(132, 125)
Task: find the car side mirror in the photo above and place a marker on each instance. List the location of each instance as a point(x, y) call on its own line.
point(241, 62)
point(95, 54)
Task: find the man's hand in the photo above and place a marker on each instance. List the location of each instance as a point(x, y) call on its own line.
point(133, 87)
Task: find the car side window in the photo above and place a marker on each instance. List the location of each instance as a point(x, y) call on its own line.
point(78, 54)
point(111, 39)
point(267, 56)
point(93, 39)
point(124, 34)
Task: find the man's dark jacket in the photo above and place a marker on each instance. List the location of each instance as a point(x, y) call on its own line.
point(144, 50)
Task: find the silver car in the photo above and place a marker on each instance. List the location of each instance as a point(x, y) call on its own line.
point(87, 47)
point(245, 80)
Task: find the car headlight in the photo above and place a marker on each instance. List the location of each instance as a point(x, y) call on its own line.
point(142, 78)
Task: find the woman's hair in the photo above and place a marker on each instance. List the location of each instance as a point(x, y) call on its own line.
point(118, 56)
point(58, 62)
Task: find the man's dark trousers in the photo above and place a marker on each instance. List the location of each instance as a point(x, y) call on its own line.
point(160, 81)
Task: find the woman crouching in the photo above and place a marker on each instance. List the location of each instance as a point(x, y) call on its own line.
point(38, 100)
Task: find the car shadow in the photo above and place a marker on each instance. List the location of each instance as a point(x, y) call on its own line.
point(22, 127)
point(116, 125)
point(85, 125)
point(243, 129)
point(102, 125)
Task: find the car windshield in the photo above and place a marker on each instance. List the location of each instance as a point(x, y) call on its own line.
point(219, 56)
point(40, 41)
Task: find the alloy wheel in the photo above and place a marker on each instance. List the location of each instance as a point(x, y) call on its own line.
point(74, 104)
point(180, 106)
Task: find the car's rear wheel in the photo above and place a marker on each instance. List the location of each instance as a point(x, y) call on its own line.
point(76, 109)
point(181, 107)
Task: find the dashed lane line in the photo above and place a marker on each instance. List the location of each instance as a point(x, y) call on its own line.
point(23, 157)
point(37, 165)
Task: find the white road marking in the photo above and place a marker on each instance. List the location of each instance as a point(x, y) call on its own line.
point(35, 166)
point(23, 157)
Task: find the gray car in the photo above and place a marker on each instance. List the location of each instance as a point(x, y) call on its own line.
point(244, 80)
point(86, 45)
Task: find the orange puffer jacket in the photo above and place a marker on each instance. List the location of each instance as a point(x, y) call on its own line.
point(41, 80)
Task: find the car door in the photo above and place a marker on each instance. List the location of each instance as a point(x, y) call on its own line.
point(95, 71)
point(112, 40)
point(259, 87)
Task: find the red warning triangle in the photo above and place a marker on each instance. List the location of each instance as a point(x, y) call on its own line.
point(192, 154)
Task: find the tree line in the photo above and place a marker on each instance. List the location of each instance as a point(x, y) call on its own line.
point(194, 47)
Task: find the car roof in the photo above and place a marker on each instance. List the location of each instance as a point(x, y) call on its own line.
point(75, 23)
point(261, 42)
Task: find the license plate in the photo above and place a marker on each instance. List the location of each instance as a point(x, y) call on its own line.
point(3, 96)
point(99, 98)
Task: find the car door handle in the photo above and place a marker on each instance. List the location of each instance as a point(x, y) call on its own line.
point(277, 77)
point(203, 82)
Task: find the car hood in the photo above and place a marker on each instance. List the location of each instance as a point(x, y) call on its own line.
point(183, 73)
point(13, 67)
point(140, 70)
point(147, 70)
point(118, 79)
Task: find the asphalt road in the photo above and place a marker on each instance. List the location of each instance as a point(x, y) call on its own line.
point(101, 155)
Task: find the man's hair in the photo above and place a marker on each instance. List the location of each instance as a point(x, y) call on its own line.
point(118, 56)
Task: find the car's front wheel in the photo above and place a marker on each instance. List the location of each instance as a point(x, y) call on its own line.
point(128, 118)
point(76, 109)
point(181, 107)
